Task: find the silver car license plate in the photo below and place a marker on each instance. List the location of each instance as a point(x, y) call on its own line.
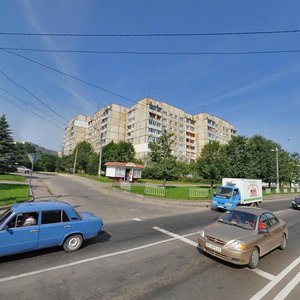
point(213, 247)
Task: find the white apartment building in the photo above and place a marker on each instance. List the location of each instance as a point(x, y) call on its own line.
point(145, 121)
point(106, 125)
point(75, 132)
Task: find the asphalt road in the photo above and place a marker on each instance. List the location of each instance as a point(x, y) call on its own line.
point(134, 259)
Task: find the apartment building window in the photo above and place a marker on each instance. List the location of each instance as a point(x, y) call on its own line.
point(132, 119)
point(156, 108)
point(164, 113)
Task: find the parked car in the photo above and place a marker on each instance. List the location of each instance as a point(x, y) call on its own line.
point(242, 235)
point(296, 202)
point(34, 225)
point(22, 169)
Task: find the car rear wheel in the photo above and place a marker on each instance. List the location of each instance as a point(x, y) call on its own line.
point(254, 259)
point(283, 243)
point(73, 243)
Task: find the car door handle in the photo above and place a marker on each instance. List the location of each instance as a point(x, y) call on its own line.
point(67, 226)
point(33, 230)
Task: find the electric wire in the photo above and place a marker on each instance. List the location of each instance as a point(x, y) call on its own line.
point(34, 96)
point(288, 51)
point(28, 103)
point(184, 34)
point(28, 110)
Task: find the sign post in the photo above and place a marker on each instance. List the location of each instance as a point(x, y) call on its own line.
point(33, 157)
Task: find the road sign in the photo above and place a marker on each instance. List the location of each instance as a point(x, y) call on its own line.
point(33, 157)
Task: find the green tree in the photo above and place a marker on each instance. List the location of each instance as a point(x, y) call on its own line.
point(8, 154)
point(84, 152)
point(163, 159)
point(121, 152)
point(213, 164)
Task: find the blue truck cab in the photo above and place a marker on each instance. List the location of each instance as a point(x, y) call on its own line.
point(226, 197)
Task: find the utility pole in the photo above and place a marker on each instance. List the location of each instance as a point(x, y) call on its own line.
point(75, 161)
point(100, 161)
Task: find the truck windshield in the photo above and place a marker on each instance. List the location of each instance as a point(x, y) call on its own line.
point(224, 191)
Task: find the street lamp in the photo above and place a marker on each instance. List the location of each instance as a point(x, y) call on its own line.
point(100, 158)
point(277, 169)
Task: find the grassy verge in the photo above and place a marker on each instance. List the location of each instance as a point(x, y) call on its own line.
point(13, 193)
point(11, 177)
point(95, 177)
point(171, 192)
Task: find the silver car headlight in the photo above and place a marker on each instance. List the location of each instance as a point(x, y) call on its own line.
point(238, 245)
point(202, 233)
point(229, 204)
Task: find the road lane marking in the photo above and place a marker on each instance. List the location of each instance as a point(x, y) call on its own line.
point(262, 273)
point(259, 295)
point(9, 278)
point(288, 288)
point(137, 219)
point(178, 237)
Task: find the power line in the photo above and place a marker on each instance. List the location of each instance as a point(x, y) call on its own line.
point(70, 76)
point(28, 110)
point(35, 97)
point(28, 103)
point(151, 53)
point(191, 34)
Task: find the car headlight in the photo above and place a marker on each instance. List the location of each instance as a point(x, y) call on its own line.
point(202, 233)
point(229, 204)
point(238, 245)
point(294, 202)
point(214, 202)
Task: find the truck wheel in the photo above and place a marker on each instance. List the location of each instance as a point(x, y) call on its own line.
point(254, 259)
point(254, 204)
point(73, 242)
point(283, 242)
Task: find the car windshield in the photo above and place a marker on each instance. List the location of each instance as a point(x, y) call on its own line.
point(4, 216)
point(240, 219)
point(224, 191)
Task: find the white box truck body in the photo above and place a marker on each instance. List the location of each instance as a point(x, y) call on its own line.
point(237, 191)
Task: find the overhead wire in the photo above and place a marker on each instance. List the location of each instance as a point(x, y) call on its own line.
point(153, 53)
point(186, 34)
point(28, 110)
point(34, 96)
point(28, 103)
point(70, 76)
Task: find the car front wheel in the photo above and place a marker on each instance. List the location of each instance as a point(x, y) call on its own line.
point(73, 243)
point(254, 259)
point(283, 243)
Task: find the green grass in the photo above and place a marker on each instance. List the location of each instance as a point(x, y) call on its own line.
point(172, 192)
point(13, 193)
point(95, 177)
point(12, 177)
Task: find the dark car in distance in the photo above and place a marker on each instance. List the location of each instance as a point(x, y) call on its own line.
point(296, 202)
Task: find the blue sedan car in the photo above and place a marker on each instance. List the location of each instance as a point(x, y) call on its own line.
point(36, 225)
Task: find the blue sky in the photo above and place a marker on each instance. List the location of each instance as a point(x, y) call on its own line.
point(258, 94)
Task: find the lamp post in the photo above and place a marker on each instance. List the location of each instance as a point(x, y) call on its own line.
point(100, 158)
point(277, 168)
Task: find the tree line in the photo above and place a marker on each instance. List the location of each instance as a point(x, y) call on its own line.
point(242, 157)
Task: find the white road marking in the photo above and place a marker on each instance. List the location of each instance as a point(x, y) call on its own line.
point(178, 237)
point(262, 273)
point(259, 295)
point(288, 288)
point(137, 219)
point(9, 278)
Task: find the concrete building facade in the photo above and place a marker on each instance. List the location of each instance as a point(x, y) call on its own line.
point(75, 132)
point(145, 122)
